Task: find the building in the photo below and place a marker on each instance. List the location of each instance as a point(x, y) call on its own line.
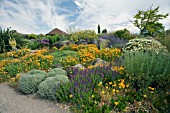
point(56, 31)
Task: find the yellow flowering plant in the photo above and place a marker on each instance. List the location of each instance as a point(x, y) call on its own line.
point(37, 60)
point(109, 54)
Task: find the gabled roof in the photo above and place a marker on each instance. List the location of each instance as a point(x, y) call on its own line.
point(56, 31)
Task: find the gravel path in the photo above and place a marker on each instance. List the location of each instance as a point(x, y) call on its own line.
point(12, 101)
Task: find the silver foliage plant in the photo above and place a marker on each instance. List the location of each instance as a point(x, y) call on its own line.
point(48, 88)
point(29, 82)
point(56, 71)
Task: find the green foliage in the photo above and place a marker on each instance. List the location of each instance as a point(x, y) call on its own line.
point(125, 34)
point(29, 82)
point(13, 69)
point(144, 68)
point(5, 35)
point(166, 40)
point(56, 71)
point(32, 36)
point(3, 78)
point(88, 35)
point(22, 42)
point(33, 44)
point(104, 31)
point(52, 39)
point(48, 88)
point(58, 55)
point(144, 44)
point(148, 22)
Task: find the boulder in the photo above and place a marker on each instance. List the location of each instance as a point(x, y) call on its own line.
point(79, 66)
point(59, 44)
point(99, 62)
point(102, 43)
point(82, 41)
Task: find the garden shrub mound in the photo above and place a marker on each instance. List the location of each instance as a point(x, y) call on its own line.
point(29, 82)
point(48, 88)
point(144, 44)
point(56, 71)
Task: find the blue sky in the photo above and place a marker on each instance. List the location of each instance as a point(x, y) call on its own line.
point(41, 16)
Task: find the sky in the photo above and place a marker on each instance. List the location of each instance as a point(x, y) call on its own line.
point(41, 16)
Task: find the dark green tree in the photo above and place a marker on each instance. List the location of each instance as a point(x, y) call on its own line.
point(125, 34)
point(104, 31)
point(148, 22)
point(98, 29)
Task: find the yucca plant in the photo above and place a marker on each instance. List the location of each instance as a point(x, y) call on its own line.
point(5, 35)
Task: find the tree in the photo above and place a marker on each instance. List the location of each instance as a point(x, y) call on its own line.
point(125, 34)
point(98, 29)
point(104, 31)
point(148, 22)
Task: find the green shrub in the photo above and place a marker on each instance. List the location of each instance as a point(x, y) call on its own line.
point(58, 55)
point(144, 44)
point(125, 34)
point(33, 44)
point(88, 35)
point(56, 71)
point(145, 67)
point(48, 88)
point(29, 82)
point(5, 36)
point(52, 39)
point(166, 42)
point(32, 36)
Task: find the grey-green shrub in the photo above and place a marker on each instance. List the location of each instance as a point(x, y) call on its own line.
point(48, 88)
point(35, 71)
point(146, 66)
point(56, 71)
point(144, 44)
point(29, 82)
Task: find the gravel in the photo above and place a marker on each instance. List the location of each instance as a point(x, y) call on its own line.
point(13, 101)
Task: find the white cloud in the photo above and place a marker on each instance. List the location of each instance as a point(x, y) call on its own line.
point(32, 16)
point(115, 14)
point(40, 16)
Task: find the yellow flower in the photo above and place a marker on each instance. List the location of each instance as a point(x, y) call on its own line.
point(71, 95)
point(145, 96)
point(151, 92)
point(127, 85)
point(92, 96)
point(100, 84)
point(110, 83)
point(18, 76)
point(116, 103)
point(107, 87)
point(8, 76)
point(114, 85)
point(121, 85)
point(113, 90)
point(117, 91)
point(151, 88)
point(103, 92)
point(13, 79)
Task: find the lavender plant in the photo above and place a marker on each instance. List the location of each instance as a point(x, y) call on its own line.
point(84, 81)
point(115, 41)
